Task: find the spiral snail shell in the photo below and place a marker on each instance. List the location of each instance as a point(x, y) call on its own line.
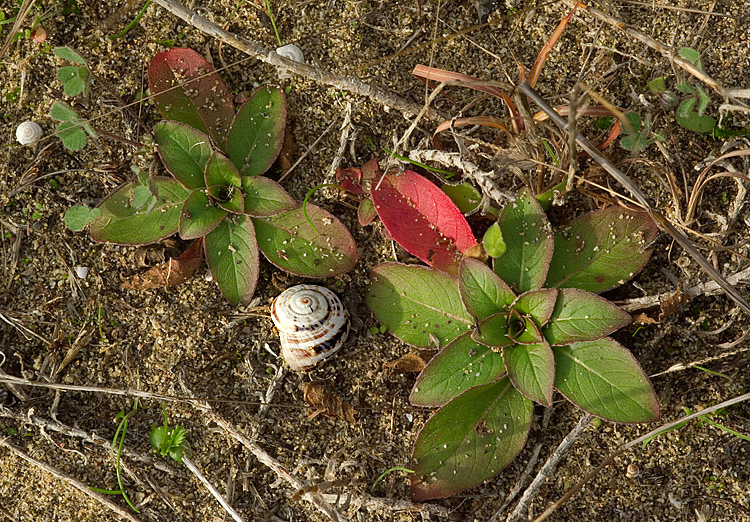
point(312, 324)
point(28, 133)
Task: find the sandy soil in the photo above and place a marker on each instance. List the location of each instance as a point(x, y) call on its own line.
point(184, 340)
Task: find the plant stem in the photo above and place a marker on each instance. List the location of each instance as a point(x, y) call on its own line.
point(229, 509)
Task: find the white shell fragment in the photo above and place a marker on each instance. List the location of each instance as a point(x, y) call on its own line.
point(28, 133)
point(292, 52)
point(312, 324)
point(82, 272)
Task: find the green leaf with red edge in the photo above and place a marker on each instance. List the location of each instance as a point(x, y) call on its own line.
point(601, 250)
point(531, 369)
point(290, 242)
point(232, 255)
point(528, 333)
point(422, 218)
point(604, 379)
point(537, 304)
point(264, 197)
point(185, 88)
point(257, 132)
point(462, 364)
point(419, 305)
point(125, 221)
point(199, 216)
point(493, 331)
point(469, 440)
point(366, 212)
point(184, 152)
point(234, 201)
point(529, 242)
point(221, 171)
point(482, 292)
point(582, 316)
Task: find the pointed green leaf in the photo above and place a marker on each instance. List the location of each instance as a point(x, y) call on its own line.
point(604, 379)
point(234, 203)
point(482, 292)
point(257, 132)
point(538, 304)
point(221, 171)
point(459, 366)
point(528, 333)
point(529, 243)
point(493, 242)
point(199, 216)
point(184, 151)
point(418, 304)
point(289, 242)
point(531, 369)
point(493, 331)
point(122, 222)
point(469, 440)
point(232, 255)
point(582, 316)
point(601, 250)
point(264, 197)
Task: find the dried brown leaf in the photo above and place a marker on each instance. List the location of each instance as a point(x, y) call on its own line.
point(172, 272)
point(409, 363)
point(324, 403)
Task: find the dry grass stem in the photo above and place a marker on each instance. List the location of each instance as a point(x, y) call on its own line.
point(346, 83)
point(83, 488)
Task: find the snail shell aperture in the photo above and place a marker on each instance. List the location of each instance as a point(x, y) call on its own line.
point(312, 324)
point(28, 133)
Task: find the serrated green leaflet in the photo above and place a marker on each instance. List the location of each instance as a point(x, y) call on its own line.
point(582, 316)
point(265, 197)
point(232, 256)
point(121, 223)
point(529, 244)
point(469, 440)
point(459, 366)
point(531, 369)
point(493, 331)
point(604, 379)
point(257, 132)
point(482, 292)
point(538, 304)
point(417, 304)
point(184, 151)
point(289, 242)
point(601, 250)
point(198, 216)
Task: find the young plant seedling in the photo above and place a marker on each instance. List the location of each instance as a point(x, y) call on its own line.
point(217, 192)
point(168, 441)
point(512, 335)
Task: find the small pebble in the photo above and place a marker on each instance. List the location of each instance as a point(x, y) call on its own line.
point(82, 272)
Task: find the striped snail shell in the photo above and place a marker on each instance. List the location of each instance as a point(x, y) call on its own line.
point(28, 133)
point(312, 324)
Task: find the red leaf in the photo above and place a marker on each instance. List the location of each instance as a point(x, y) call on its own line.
point(185, 88)
point(423, 220)
point(172, 272)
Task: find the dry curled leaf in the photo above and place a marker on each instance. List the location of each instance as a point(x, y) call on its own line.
point(324, 403)
point(409, 363)
point(172, 272)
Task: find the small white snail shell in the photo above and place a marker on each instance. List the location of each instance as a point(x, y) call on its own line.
point(28, 133)
point(312, 324)
point(292, 52)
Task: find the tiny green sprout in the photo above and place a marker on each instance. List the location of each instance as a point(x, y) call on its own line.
point(168, 441)
point(374, 330)
point(386, 473)
point(493, 241)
